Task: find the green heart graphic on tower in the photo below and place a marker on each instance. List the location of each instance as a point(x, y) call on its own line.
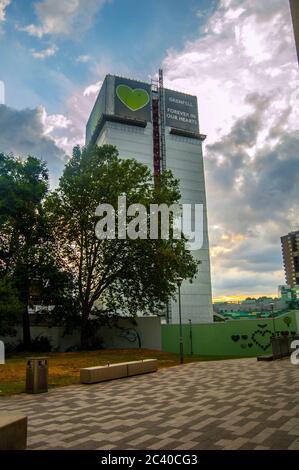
point(134, 99)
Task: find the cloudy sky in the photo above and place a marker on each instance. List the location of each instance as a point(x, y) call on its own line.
point(237, 56)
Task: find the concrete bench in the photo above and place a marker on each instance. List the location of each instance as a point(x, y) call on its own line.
point(268, 358)
point(142, 367)
point(13, 432)
point(90, 375)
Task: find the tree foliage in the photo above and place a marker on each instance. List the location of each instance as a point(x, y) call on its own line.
point(23, 186)
point(114, 276)
point(10, 307)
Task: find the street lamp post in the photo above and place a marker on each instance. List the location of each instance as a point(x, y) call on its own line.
point(191, 338)
point(273, 319)
point(275, 335)
point(179, 281)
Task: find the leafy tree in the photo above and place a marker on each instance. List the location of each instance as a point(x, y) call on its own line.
point(114, 276)
point(10, 307)
point(293, 304)
point(23, 231)
point(56, 289)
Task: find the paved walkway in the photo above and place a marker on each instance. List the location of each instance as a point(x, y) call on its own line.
point(239, 404)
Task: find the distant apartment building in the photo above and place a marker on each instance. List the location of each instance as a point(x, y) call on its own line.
point(263, 304)
point(295, 17)
point(290, 253)
point(288, 293)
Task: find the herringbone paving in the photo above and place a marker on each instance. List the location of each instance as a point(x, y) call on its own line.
point(235, 404)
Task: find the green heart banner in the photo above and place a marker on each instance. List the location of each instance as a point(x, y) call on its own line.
point(134, 99)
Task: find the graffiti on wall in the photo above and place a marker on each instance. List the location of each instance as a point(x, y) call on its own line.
point(131, 335)
point(261, 337)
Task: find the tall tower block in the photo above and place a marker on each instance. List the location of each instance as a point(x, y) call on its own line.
point(159, 127)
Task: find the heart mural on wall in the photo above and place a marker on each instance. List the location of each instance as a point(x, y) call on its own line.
point(262, 338)
point(235, 338)
point(134, 99)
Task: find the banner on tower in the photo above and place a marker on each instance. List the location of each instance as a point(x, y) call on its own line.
point(181, 111)
point(132, 99)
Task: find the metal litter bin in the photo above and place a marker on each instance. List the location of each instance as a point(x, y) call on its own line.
point(280, 346)
point(37, 375)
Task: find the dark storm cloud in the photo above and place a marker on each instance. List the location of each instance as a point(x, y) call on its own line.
point(256, 189)
point(250, 255)
point(245, 131)
point(249, 284)
point(228, 158)
point(22, 133)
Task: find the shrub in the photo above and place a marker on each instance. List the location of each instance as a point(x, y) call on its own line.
point(38, 344)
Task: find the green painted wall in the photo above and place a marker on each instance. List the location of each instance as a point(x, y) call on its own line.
point(230, 338)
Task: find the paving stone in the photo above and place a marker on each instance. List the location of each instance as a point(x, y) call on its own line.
point(236, 404)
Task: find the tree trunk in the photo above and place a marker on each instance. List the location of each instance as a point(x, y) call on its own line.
point(85, 329)
point(26, 328)
point(24, 297)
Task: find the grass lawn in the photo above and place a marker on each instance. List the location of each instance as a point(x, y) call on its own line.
point(64, 367)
